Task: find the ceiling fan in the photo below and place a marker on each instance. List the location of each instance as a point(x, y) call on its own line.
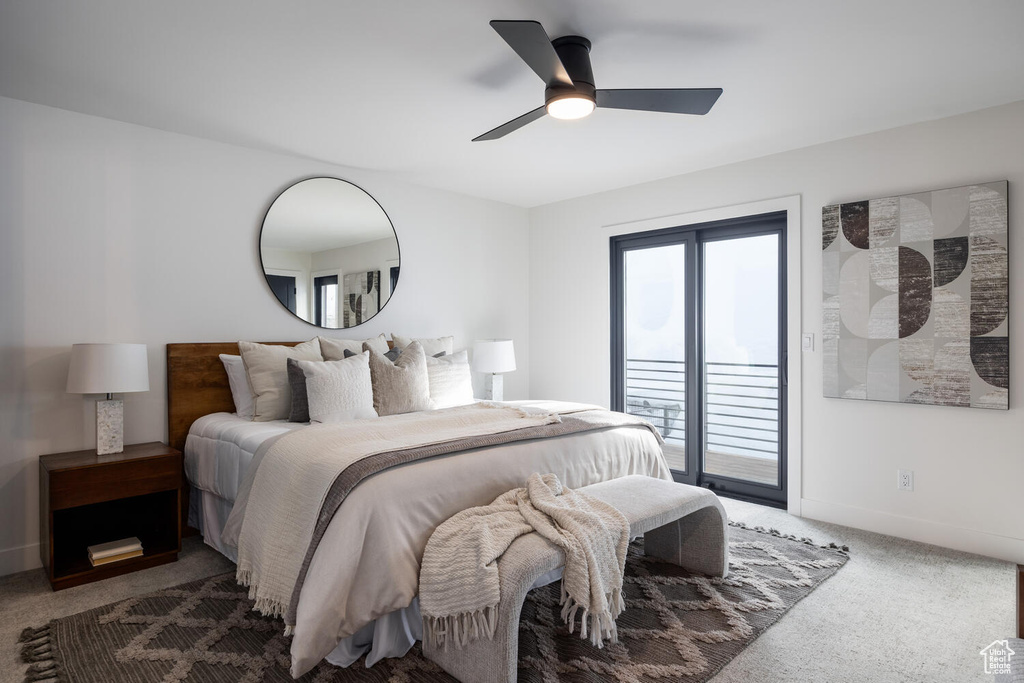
point(564, 66)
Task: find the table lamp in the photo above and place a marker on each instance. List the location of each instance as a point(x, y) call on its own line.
point(493, 357)
point(108, 369)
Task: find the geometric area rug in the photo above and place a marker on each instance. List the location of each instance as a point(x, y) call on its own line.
point(677, 626)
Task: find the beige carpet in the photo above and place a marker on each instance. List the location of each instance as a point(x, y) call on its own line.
point(898, 611)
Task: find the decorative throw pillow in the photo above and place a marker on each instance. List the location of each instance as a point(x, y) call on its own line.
point(451, 383)
point(241, 394)
point(391, 355)
point(431, 347)
point(339, 390)
point(297, 384)
point(402, 386)
point(266, 366)
point(334, 349)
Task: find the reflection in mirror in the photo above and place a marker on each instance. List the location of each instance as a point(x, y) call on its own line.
point(329, 252)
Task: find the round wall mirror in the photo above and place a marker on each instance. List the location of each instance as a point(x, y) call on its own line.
point(329, 252)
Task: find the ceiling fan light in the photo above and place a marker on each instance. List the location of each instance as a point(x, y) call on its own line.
point(570, 107)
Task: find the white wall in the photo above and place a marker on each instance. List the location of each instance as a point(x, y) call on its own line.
point(113, 232)
point(968, 463)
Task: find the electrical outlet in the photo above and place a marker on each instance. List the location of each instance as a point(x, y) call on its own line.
point(905, 480)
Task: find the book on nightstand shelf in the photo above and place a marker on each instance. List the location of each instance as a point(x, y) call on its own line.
point(104, 553)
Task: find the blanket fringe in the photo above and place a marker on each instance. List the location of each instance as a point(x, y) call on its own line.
point(460, 630)
point(844, 549)
point(37, 650)
point(599, 627)
point(268, 607)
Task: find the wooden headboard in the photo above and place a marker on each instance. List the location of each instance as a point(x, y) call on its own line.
point(197, 385)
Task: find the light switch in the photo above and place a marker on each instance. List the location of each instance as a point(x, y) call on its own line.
point(807, 341)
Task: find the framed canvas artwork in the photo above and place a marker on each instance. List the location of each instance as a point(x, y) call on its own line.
point(916, 298)
point(360, 297)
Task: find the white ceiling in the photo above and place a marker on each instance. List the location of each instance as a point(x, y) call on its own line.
point(402, 86)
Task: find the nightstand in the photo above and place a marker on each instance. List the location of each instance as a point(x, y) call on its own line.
point(85, 499)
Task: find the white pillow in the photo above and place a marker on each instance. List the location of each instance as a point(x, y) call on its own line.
point(241, 394)
point(451, 383)
point(431, 347)
point(334, 349)
point(339, 390)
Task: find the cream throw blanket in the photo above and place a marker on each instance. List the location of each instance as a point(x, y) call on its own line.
point(295, 475)
point(459, 589)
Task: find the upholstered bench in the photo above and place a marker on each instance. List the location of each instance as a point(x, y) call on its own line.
point(681, 524)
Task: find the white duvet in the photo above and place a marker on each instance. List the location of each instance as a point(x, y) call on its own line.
point(367, 563)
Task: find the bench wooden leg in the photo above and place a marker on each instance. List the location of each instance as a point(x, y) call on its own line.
point(699, 541)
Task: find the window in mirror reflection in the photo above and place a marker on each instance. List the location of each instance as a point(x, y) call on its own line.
point(326, 303)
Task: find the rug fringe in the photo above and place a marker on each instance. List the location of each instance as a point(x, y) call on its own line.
point(37, 650)
point(843, 549)
point(45, 671)
point(34, 633)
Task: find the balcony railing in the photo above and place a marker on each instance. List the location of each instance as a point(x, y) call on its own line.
point(742, 414)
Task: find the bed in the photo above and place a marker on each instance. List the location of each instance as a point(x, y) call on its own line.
point(359, 596)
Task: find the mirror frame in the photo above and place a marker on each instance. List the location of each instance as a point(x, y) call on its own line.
point(263, 268)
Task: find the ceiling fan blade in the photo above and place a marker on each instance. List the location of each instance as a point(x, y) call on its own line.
point(672, 100)
point(531, 43)
point(513, 125)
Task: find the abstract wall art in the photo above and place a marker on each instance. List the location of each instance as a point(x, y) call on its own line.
point(916, 298)
point(360, 297)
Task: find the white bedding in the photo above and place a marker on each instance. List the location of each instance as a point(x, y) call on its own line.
point(220, 447)
point(371, 534)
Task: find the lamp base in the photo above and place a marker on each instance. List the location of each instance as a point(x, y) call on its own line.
point(494, 387)
point(109, 427)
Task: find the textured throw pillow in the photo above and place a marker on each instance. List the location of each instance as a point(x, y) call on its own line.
point(339, 390)
point(239, 383)
point(266, 366)
point(297, 384)
point(431, 347)
point(334, 349)
point(402, 386)
point(451, 383)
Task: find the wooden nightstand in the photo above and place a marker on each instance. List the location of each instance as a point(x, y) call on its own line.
point(85, 499)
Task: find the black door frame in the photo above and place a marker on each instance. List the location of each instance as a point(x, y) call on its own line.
point(694, 237)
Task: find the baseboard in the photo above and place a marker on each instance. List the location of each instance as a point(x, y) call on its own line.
point(14, 560)
point(913, 529)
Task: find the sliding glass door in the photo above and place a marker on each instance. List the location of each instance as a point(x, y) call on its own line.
point(655, 340)
point(699, 349)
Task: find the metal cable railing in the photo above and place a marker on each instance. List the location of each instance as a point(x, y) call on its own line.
point(741, 402)
point(742, 406)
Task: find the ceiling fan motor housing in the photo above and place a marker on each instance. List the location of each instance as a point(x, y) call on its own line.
point(574, 51)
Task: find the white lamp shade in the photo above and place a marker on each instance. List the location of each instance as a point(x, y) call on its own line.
point(494, 356)
point(108, 369)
